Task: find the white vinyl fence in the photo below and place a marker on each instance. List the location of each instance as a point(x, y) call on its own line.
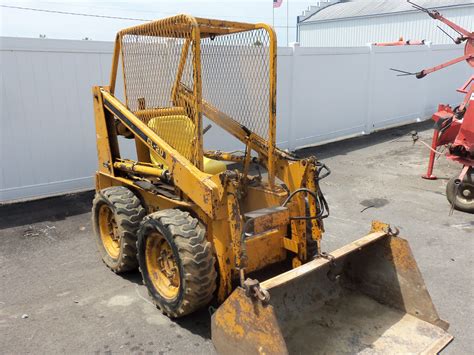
point(47, 134)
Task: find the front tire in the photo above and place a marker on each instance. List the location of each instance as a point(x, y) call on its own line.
point(176, 262)
point(116, 217)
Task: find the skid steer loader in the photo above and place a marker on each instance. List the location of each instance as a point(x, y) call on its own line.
point(200, 223)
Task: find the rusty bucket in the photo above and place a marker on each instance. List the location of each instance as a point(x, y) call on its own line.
point(368, 297)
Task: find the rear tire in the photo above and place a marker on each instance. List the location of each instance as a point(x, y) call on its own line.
point(176, 262)
point(116, 217)
point(462, 196)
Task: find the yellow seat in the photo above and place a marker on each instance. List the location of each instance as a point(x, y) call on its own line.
point(178, 132)
point(213, 167)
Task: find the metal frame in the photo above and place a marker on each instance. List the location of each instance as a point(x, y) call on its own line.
point(203, 28)
point(220, 201)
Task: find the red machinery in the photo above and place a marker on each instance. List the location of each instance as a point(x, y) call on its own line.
point(400, 42)
point(455, 127)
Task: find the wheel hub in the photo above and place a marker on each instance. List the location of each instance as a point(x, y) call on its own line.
point(466, 193)
point(162, 266)
point(109, 232)
point(167, 264)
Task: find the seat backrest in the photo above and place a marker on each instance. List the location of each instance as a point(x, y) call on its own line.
point(177, 131)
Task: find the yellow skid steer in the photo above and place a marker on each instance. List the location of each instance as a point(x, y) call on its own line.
point(204, 225)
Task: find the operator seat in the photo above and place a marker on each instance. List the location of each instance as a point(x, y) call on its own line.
point(178, 132)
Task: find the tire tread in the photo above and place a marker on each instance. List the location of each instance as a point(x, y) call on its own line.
point(129, 213)
point(197, 260)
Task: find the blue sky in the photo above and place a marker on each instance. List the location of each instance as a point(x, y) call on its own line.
point(21, 23)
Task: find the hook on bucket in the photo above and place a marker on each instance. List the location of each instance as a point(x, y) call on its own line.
point(253, 289)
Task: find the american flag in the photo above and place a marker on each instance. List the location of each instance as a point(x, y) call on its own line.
point(277, 3)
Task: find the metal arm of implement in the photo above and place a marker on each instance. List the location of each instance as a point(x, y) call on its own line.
point(465, 35)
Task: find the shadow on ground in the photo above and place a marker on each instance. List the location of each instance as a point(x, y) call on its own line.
point(346, 146)
point(198, 323)
point(47, 209)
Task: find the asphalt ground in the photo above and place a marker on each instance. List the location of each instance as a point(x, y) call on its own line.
point(56, 296)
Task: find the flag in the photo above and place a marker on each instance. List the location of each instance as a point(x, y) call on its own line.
point(277, 3)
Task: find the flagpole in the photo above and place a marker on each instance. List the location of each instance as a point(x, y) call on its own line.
point(287, 28)
point(273, 14)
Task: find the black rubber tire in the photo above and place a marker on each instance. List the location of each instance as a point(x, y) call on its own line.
point(194, 256)
point(461, 203)
point(128, 213)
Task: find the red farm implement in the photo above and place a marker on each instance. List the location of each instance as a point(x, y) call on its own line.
point(454, 127)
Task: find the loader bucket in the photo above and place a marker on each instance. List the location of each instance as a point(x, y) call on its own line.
point(369, 298)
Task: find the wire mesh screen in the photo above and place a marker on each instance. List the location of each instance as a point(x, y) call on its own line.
point(152, 56)
point(150, 68)
point(235, 77)
point(160, 77)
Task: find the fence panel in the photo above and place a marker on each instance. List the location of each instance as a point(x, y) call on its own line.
point(47, 135)
point(329, 94)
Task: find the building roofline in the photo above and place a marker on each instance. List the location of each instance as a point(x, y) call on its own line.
point(328, 4)
point(319, 10)
point(306, 22)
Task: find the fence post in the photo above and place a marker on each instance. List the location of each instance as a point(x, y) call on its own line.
point(292, 116)
point(426, 107)
point(371, 66)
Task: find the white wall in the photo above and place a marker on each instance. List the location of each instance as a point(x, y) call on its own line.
point(384, 28)
point(47, 135)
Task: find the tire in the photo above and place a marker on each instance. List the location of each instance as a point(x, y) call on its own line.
point(116, 217)
point(463, 196)
point(184, 280)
